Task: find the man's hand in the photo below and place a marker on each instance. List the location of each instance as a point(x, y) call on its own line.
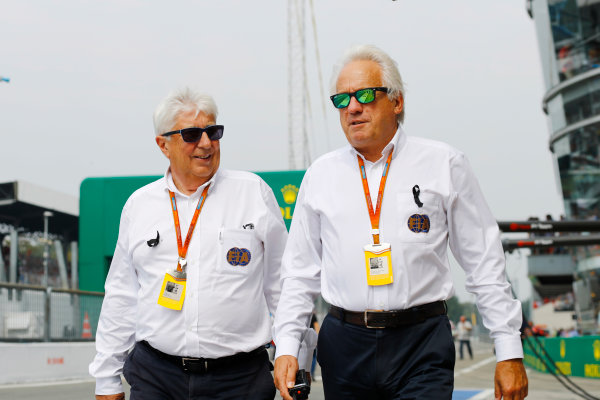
point(510, 380)
point(120, 396)
point(285, 374)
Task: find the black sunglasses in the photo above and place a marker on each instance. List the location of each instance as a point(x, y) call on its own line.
point(363, 96)
point(192, 135)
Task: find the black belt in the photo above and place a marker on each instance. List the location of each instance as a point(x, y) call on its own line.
point(203, 365)
point(390, 319)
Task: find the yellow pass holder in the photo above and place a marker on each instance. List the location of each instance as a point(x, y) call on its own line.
point(378, 258)
point(172, 292)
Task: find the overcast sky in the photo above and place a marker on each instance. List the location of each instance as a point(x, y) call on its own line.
point(87, 75)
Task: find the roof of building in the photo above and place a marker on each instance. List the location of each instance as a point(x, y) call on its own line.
point(22, 205)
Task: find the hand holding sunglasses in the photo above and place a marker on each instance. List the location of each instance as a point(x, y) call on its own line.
point(363, 96)
point(192, 135)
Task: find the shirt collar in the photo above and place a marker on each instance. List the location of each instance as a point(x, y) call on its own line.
point(170, 185)
point(396, 144)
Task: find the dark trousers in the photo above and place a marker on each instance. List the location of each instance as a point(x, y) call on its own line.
point(154, 378)
point(412, 362)
point(460, 349)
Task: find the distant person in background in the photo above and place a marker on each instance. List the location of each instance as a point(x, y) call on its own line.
point(594, 56)
point(568, 62)
point(194, 308)
point(463, 332)
point(573, 332)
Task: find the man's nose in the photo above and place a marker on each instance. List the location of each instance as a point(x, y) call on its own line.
point(354, 106)
point(204, 141)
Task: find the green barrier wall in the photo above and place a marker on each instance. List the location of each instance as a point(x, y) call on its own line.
point(101, 201)
point(578, 356)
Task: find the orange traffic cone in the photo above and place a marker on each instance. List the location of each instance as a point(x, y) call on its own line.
point(87, 329)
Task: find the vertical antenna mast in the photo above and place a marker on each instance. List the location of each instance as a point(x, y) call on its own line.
point(298, 146)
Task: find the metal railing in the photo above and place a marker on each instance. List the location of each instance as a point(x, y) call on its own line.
point(43, 314)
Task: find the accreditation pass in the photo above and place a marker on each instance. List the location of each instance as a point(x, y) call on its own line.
point(172, 292)
point(378, 258)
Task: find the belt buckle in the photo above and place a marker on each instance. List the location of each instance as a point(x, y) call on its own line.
point(186, 368)
point(366, 319)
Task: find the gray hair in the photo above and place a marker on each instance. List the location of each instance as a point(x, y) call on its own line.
point(390, 76)
point(178, 101)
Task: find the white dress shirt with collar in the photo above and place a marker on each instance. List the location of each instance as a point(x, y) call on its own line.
point(331, 226)
point(226, 308)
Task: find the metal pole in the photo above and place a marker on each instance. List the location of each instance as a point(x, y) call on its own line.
point(47, 314)
point(47, 214)
point(3, 274)
point(539, 243)
point(75, 285)
point(549, 226)
point(14, 250)
point(62, 266)
point(74, 266)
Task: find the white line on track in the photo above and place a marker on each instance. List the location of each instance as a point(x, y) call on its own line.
point(39, 384)
point(485, 395)
point(474, 366)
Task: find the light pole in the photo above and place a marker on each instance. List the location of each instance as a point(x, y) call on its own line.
point(47, 214)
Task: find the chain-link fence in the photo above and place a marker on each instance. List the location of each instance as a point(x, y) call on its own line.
point(37, 313)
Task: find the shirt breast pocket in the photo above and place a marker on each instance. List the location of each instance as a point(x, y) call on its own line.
point(237, 252)
point(420, 224)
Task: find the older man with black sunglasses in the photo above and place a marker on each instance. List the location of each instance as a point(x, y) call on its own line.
point(195, 273)
point(379, 255)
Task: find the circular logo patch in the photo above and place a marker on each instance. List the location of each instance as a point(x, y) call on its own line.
point(237, 256)
point(245, 257)
point(418, 223)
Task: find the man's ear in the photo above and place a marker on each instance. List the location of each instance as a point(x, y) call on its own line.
point(399, 105)
point(163, 144)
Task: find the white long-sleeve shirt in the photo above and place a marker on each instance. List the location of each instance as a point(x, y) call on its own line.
point(331, 226)
point(226, 308)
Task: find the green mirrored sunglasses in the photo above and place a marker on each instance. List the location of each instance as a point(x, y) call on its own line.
point(363, 96)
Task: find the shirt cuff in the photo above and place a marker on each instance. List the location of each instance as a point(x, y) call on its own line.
point(287, 347)
point(508, 348)
point(307, 348)
point(110, 385)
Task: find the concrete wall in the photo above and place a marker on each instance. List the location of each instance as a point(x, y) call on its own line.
point(550, 264)
point(554, 320)
point(39, 362)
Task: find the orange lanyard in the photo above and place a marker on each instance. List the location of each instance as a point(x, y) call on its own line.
point(374, 215)
point(182, 249)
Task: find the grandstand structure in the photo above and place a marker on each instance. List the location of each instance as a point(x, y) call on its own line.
point(568, 33)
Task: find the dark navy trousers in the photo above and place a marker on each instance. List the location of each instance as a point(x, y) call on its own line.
point(412, 362)
point(154, 378)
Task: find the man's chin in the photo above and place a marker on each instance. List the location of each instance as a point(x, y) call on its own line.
point(203, 172)
point(359, 132)
point(359, 139)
